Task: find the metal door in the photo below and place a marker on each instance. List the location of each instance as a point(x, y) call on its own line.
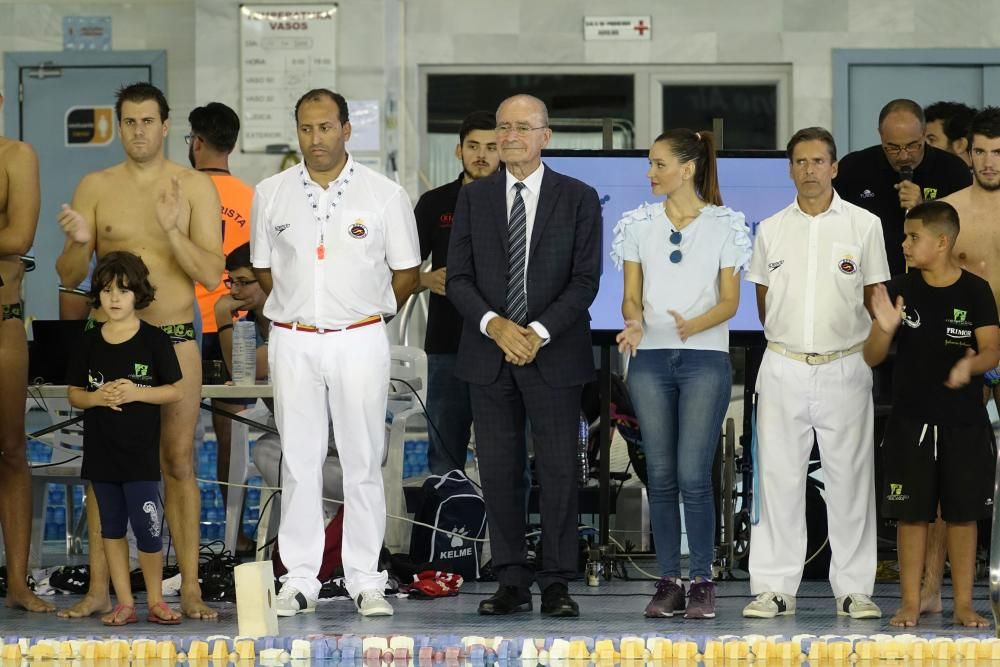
point(865, 79)
point(62, 104)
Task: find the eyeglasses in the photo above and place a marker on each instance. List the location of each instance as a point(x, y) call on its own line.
point(519, 128)
point(230, 283)
point(911, 147)
point(188, 138)
point(676, 256)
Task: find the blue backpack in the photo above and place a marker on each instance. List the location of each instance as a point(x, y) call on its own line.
point(451, 504)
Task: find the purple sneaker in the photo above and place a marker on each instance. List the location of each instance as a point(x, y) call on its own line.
point(669, 597)
point(702, 604)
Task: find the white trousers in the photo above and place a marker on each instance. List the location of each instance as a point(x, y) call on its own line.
point(833, 400)
point(346, 372)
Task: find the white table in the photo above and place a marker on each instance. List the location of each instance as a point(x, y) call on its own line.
point(258, 390)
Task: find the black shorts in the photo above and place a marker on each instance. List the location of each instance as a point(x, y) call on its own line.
point(924, 464)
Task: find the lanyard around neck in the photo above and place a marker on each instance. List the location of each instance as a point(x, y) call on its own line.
point(314, 205)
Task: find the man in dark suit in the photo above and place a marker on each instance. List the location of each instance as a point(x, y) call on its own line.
point(523, 268)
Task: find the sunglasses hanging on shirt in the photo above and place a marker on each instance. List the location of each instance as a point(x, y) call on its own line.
point(676, 256)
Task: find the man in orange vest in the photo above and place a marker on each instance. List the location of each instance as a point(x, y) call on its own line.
point(214, 131)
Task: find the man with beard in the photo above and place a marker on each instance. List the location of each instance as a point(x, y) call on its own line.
point(215, 129)
point(948, 127)
point(977, 246)
point(168, 213)
point(448, 406)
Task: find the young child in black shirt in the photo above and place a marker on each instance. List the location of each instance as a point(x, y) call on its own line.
point(938, 445)
point(123, 372)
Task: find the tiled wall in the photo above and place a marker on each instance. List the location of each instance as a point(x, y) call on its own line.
point(201, 39)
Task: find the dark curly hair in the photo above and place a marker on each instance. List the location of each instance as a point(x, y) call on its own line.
point(125, 270)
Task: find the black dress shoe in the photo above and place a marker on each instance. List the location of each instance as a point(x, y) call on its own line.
point(557, 602)
point(507, 600)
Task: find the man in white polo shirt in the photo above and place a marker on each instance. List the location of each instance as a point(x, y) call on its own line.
point(815, 264)
point(334, 244)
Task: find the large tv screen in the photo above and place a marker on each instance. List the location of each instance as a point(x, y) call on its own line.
point(755, 183)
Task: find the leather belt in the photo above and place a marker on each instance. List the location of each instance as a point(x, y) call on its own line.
point(308, 328)
point(812, 358)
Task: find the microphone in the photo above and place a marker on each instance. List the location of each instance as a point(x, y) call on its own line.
point(906, 174)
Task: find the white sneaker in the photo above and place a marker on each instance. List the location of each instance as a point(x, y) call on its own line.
point(373, 603)
point(769, 605)
point(291, 601)
point(858, 605)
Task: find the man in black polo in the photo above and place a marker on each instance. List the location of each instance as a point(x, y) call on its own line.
point(448, 404)
point(893, 177)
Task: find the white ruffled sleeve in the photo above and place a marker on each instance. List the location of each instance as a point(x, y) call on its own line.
point(625, 244)
point(738, 247)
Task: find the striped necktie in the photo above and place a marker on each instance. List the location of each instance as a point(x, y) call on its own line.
point(517, 228)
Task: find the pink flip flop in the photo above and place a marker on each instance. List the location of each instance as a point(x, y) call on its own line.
point(153, 618)
point(116, 618)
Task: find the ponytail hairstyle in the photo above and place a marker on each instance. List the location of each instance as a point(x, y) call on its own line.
point(687, 145)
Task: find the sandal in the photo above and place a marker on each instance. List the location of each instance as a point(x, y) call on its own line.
point(153, 618)
point(116, 618)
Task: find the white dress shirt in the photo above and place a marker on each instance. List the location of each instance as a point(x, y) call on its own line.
point(529, 193)
point(369, 233)
point(815, 269)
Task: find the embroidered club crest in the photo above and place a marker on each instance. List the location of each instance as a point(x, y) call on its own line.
point(847, 266)
point(358, 229)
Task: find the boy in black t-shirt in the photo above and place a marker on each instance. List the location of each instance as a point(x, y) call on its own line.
point(123, 372)
point(938, 444)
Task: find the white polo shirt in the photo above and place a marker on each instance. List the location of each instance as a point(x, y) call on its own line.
point(370, 231)
point(815, 269)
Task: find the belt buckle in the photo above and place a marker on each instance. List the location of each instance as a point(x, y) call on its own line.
point(813, 359)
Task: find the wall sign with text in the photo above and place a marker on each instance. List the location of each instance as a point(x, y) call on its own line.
point(285, 50)
point(89, 126)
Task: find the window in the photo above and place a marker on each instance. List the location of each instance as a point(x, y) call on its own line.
point(749, 112)
point(577, 105)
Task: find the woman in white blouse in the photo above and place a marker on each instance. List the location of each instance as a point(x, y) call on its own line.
point(682, 260)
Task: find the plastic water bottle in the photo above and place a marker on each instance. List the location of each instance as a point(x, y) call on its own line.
point(244, 353)
point(583, 444)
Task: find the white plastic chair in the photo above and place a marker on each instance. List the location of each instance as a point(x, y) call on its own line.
point(408, 364)
point(241, 468)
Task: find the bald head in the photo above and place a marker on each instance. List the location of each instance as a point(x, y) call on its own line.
point(522, 132)
point(902, 134)
point(528, 102)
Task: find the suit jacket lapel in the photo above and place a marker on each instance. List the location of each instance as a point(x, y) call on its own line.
point(546, 204)
point(498, 204)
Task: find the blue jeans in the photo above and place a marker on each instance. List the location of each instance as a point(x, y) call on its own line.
point(449, 409)
point(680, 399)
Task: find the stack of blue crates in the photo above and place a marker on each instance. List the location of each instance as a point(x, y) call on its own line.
point(213, 510)
point(55, 511)
point(415, 458)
